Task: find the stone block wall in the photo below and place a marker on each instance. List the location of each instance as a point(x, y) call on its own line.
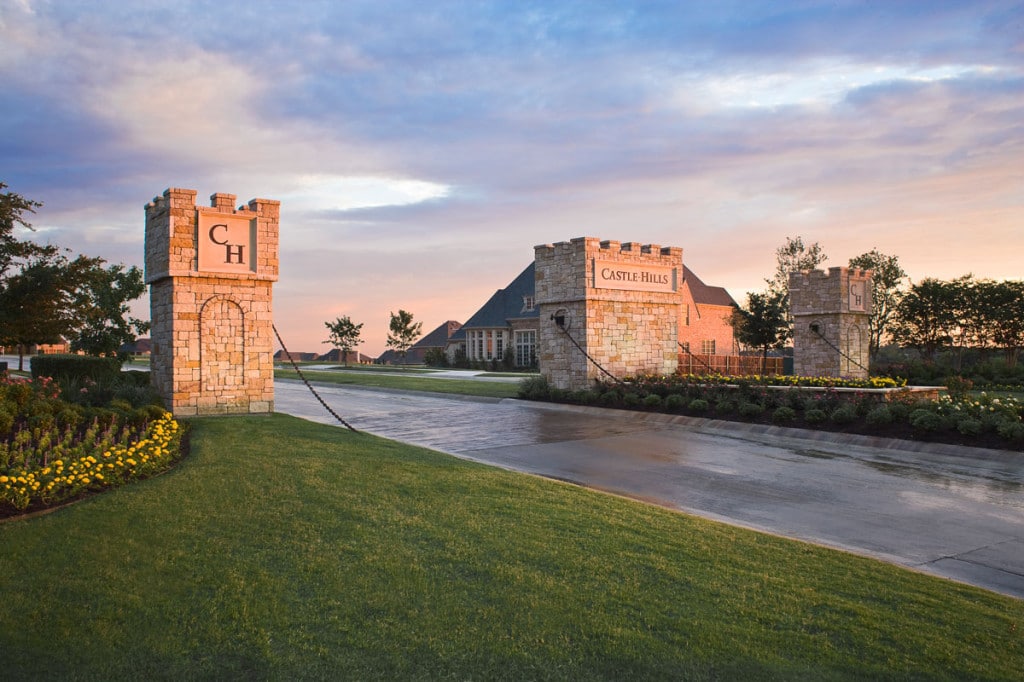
point(830, 313)
point(212, 337)
point(626, 331)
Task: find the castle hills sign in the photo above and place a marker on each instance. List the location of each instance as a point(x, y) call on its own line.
point(629, 277)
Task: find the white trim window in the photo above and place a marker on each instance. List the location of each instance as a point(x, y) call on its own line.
point(707, 347)
point(526, 347)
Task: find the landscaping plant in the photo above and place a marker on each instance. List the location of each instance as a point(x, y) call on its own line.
point(52, 451)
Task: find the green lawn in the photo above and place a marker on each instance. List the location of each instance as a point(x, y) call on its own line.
point(284, 549)
point(409, 382)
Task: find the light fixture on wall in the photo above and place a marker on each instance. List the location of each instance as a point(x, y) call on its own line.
point(561, 319)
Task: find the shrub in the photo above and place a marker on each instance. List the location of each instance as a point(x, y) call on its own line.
point(969, 427)
point(844, 414)
point(783, 415)
point(583, 397)
point(725, 405)
point(751, 410)
point(631, 399)
point(879, 416)
point(958, 386)
point(899, 410)
point(1011, 431)
point(675, 401)
point(534, 388)
point(61, 367)
point(699, 405)
point(924, 419)
point(611, 398)
point(815, 416)
point(653, 401)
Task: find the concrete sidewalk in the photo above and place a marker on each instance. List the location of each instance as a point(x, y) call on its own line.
point(952, 512)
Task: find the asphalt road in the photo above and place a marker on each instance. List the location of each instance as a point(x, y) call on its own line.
point(952, 512)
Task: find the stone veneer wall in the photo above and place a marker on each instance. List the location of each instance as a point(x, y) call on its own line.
point(826, 301)
point(212, 340)
point(627, 332)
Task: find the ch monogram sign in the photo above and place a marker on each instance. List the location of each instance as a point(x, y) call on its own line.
point(227, 243)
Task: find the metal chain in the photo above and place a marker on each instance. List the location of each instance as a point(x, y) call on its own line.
point(688, 352)
point(836, 349)
point(305, 381)
point(587, 356)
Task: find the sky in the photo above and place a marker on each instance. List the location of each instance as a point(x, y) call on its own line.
point(422, 149)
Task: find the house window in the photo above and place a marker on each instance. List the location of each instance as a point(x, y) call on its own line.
point(526, 348)
point(499, 345)
point(686, 314)
point(707, 347)
point(528, 304)
point(685, 346)
point(479, 354)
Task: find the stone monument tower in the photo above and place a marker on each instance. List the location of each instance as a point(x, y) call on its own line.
point(210, 271)
point(618, 303)
point(830, 322)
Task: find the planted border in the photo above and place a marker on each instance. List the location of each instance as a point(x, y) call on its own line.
point(983, 421)
point(50, 454)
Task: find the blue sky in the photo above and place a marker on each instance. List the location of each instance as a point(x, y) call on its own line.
point(421, 149)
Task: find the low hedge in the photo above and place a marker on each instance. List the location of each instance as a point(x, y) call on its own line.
point(75, 367)
point(983, 421)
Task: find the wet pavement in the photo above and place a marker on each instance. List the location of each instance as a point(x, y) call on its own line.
point(951, 512)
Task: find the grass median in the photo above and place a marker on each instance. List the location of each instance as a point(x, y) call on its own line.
point(284, 549)
point(407, 382)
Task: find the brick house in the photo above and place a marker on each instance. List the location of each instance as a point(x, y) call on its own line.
point(510, 320)
point(416, 355)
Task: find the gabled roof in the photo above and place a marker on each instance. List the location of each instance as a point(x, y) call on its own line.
point(351, 356)
point(439, 337)
point(704, 294)
point(298, 357)
point(506, 304)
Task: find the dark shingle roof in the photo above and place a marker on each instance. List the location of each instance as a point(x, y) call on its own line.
point(506, 304)
point(439, 337)
point(704, 294)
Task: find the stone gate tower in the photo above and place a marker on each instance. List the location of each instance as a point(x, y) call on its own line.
point(210, 271)
point(617, 302)
point(830, 322)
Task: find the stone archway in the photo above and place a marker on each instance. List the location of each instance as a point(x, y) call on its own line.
point(221, 347)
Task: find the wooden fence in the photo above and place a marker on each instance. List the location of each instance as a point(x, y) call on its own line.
point(729, 365)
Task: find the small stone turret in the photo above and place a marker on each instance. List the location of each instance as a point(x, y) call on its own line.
point(211, 271)
point(830, 313)
point(617, 302)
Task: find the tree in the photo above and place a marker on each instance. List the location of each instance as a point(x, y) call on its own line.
point(34, 306)
point(926, 317)
point(344, 335)
point(13, 208)
point(1005, 315)
point(793, 257)
point(46, 296)
point(403, 332)
point(763, 324)
point(886, 291)
point(102, 325)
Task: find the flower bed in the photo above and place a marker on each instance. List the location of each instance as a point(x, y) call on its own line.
point(52, 452)
point(890, 412)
